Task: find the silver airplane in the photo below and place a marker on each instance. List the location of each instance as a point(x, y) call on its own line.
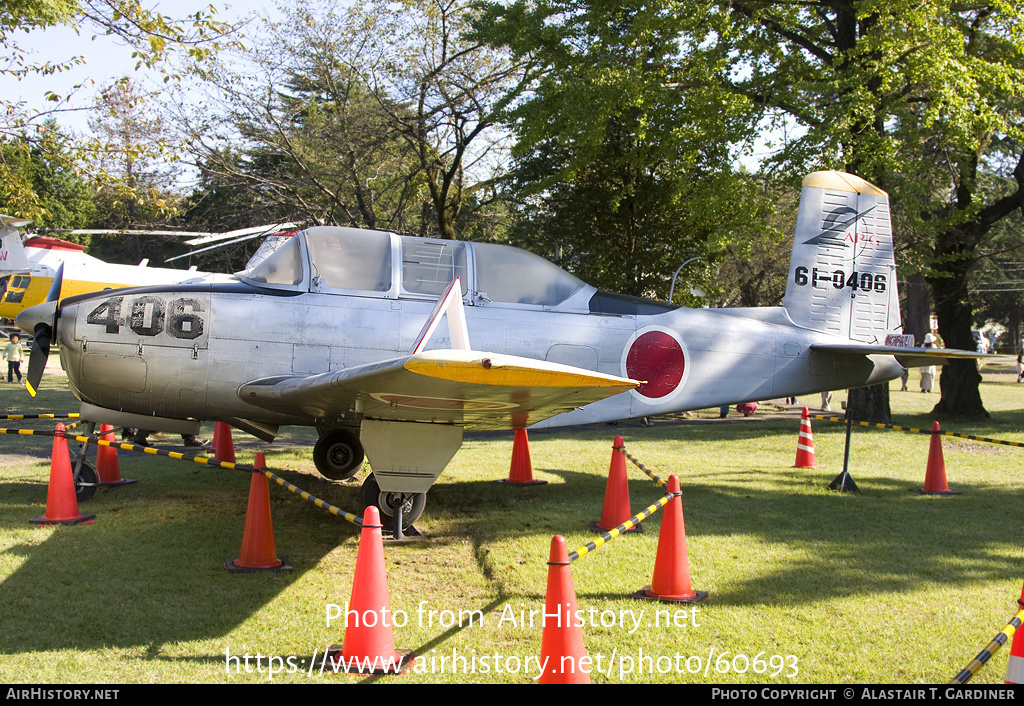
point(365, 335)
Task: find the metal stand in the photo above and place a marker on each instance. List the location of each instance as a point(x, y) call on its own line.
point(844, 482)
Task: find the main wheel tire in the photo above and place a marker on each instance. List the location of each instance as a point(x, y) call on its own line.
point(338, 455)
point(85, 483)
point(412, 503)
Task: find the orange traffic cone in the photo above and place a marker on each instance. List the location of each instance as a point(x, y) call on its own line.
point(258, 552)
point(671, 583)
point(107, 466)
point(369, 646)
point(616, 493)
point(61, 502)
point(805, 443)
point(561, 643)
point(223, 447)
point(935, 474)
point(1015, 667)
point(521, 470)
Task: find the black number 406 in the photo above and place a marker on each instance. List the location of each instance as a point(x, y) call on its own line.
point(150, 315)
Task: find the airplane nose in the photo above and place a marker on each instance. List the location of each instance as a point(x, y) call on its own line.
point(35, 315)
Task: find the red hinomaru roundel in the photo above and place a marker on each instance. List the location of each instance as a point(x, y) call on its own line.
point(657, 356)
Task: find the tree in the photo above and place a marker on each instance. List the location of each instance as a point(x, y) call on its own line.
point(998, 282)
point(61, 198)
point(451, 90)
point(922, 100)
point(379, 116)
point(918, 99)
point(154, 39)
point(130, 136)
point(624, 155)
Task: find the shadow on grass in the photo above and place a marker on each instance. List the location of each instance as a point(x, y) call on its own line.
point(151, 570)
point(888, 539)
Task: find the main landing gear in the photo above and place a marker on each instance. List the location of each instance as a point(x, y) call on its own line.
point(338, 455)
point(399, 510)
point(85, 481)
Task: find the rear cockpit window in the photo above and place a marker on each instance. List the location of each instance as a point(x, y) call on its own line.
point(507, 274)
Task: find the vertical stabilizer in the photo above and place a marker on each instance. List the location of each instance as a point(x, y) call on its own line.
point(842, 275)
point(12, 252)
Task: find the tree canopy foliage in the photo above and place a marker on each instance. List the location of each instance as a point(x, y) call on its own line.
point(379, 115)
point(921, 99)
point(153, 38)
point(625, 146)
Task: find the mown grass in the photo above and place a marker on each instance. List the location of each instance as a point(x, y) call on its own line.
point(881, 586)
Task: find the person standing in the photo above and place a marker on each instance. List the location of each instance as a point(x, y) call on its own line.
point(14, 355)
point(928, 372)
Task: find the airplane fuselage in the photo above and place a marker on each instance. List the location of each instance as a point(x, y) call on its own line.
point(184, 352)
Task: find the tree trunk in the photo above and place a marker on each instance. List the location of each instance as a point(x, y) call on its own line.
point(917, 320)
point(870, 404)
point(960, 379)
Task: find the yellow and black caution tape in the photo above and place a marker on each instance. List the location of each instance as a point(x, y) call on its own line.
point(636, 462)
point(334, 510)
point(40, 432)
point(69, 415)
point(912, 430)
point(632, 522)
point(28, 432)
point(990, 649)
point(625, 526)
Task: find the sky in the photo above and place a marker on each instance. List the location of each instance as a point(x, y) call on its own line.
point(106, 60)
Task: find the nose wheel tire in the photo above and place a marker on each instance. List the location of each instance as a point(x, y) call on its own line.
point(412, 503)
point(85, 482)
point(338, 455)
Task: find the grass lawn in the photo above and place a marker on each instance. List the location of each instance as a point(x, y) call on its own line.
point(806, 585)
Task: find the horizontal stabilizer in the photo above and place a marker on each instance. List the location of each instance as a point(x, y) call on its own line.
point(468, 388)
point(907, 357)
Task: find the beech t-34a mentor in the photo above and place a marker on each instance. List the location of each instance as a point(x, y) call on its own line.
point(336, 330)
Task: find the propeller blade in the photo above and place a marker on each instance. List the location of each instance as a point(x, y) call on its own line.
point(37, 358)
point(42, 321)
point(58, 280)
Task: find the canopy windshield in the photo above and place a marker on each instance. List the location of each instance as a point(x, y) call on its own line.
point(363, 260)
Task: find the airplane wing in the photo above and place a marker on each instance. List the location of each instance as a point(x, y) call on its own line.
point(907, 357)
point(469, 388)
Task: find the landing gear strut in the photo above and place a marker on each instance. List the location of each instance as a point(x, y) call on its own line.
point(85, 482)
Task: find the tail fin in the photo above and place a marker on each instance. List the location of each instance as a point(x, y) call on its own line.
point(842, 275)
point(12, 252)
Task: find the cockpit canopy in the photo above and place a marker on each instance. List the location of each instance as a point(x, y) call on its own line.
point(330, 259)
